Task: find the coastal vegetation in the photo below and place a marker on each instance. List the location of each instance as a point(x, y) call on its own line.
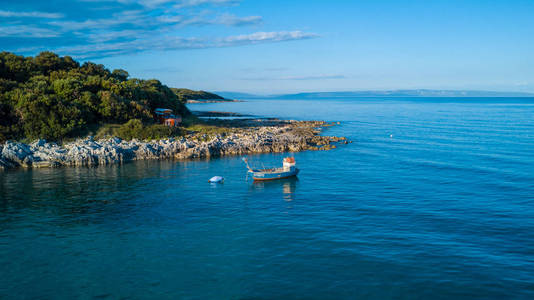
point(185, 95)
point(56, 98)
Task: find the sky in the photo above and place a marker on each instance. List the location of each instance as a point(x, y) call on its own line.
point(273, 47)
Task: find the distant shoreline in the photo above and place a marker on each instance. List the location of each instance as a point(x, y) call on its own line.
point(212, 100)
point(417, 93)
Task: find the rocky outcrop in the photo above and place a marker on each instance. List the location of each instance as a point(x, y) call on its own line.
point(17, 154)
point(289, 136)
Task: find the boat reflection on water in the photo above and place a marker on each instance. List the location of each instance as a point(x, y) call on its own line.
point(287, 186)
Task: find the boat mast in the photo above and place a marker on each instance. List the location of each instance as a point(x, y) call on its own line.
point(246, 163)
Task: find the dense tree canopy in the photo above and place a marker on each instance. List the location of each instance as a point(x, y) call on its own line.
point(52, 97)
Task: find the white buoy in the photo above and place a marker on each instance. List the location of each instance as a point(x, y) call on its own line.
point(216, 179)
point(391, 135)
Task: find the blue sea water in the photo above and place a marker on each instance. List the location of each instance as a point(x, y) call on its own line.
point(433, 199)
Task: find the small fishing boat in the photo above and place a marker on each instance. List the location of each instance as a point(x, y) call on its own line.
point(287, 170)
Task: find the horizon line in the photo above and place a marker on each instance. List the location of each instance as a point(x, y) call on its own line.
point(498, 93)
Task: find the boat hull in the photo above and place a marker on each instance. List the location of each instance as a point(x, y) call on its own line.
point(263, 176)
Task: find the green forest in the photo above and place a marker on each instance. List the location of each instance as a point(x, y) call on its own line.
point(187, 94)
point(53, 97)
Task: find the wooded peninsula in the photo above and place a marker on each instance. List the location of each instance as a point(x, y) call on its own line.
point(53, 97)
point(55, 111)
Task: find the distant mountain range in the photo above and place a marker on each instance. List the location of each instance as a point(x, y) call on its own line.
point(390, 93)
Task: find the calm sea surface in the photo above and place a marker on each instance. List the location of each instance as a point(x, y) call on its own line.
point(433, 199)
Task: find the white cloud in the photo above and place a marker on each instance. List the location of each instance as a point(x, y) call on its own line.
point(147, 43)
point(179, 4)
point(106, 36)
point(191, 3)
point(153, 3)
point(30, 14)
point(277, 36)
point(143, 20)
point(170, 19)
point(147, 25)
point(232, 20)
point(135, 17)
point(26, 31)
point(226, 19)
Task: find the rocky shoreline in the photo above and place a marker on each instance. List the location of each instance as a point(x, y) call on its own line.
point(256, 136)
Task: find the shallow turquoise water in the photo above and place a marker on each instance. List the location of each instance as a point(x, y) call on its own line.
point(434, 199)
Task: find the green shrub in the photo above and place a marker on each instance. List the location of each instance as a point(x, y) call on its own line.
point(131, 129)
point(158, 131)
point(136, 129)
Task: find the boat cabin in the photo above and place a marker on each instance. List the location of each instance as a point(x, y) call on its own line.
point(165, 116)
point(287, 170)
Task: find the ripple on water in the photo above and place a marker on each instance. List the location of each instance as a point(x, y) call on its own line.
point(440, 209)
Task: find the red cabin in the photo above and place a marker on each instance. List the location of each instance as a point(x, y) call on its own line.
point(165, 116)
